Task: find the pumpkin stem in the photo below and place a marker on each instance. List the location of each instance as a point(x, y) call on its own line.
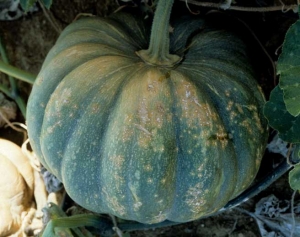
point(158, 52)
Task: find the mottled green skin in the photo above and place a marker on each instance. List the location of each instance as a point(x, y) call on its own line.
point(141, 142)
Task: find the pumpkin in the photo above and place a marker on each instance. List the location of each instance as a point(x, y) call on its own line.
point(16, 188)
point(167, 130)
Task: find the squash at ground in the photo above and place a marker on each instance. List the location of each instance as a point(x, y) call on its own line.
point(169, 133)
point(16, 188)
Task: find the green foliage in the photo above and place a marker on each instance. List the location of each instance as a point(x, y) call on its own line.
point(27, 4)
point(289, 69)
point(283, 108)
point(280, 119)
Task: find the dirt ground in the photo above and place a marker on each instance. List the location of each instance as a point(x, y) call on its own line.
point(29, 38)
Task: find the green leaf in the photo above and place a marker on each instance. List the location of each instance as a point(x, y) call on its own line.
point(47, 3)
point(289, 69)
point(280, 119)
point(27, 4)
point(294, 177)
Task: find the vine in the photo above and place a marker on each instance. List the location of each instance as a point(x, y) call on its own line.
point(283, 7)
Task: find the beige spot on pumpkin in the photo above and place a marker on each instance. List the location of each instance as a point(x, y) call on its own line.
point(39, 80)
point(75, 107)
point(201, 168)
point(143, 112)
point(258, 121)
point(116, 206)
point(195, 198)
point(133, 189)
point(117, 160)
point(159, 218)
point(140, 127)
point(51, 129)
point(148, 168)
point(66, 94)
point(137, 205)
point(229, 105)
point(95, 108)
point(227, 93)
point(233, 115)
point(239, 108)
point(150, 87)
point(194, 111)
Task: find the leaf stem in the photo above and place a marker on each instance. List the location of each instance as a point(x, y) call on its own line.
point(17, 73)
point(21, 104)
point(12, 72)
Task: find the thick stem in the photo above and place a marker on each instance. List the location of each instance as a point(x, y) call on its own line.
point(17, 73)
point(158, 52)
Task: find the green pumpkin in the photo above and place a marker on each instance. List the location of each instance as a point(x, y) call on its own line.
point(173, 137)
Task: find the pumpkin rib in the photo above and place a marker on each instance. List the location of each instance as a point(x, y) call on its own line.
point(135, 28)
point(220, 93)
point(70, 76)
point(104, 26)
point(231, 128)
point(128, 162)
point(78, 38)
point(225, 75)
point(57, 74)
point(196, 190)
point(84, 49)
point(221, 39)
point(119, 149)
point(69, 150)
point(97, 36)
point(201, 58)
point(183, 34)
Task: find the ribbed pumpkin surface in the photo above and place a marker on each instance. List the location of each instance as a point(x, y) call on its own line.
point(142, 142)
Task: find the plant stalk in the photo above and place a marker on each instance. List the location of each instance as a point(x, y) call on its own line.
point(17, 73)
point(158, 52)
point(12, 72)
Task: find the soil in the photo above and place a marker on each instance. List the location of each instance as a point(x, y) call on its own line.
point(29, 38)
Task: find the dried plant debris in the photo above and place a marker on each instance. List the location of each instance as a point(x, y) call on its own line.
point(51, 182)
point(277, 145)
point(12, 10)
point(274, 217)
point(8, 110)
